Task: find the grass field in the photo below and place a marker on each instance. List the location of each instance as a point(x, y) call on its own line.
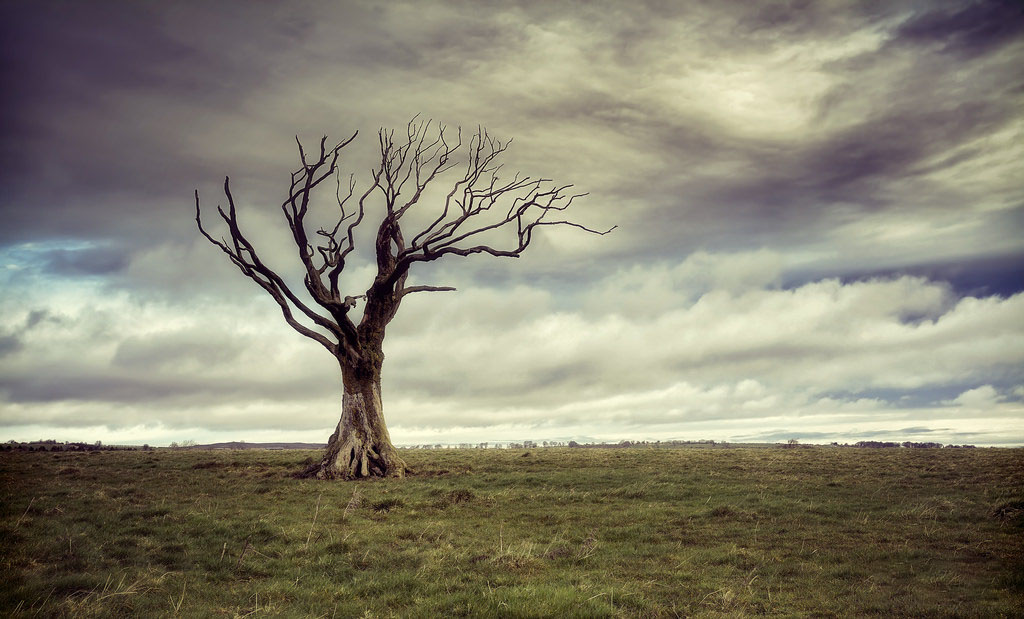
point(544, 532)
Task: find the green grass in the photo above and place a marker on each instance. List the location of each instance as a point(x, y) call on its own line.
point(549, 532)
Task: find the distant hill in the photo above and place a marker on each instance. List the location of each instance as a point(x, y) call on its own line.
point(244, 445)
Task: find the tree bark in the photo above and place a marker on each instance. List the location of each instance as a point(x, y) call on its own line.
point(360, 446)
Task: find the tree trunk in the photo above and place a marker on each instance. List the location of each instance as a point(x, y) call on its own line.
point(360, 446)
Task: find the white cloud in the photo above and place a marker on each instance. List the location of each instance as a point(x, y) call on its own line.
point(981, 399)
point(904, 333)
point(710, 341)
point(644, 291)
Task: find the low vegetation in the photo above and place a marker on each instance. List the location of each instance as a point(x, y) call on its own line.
point(539, 532)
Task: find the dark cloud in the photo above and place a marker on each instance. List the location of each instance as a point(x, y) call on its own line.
point(98, 118)
point(1001, 275)
point(157, 390)
point(858, 165)
point(13, 342)
point(166, 352)
point(96, 387)
point(36, 317)
point(140, 74)
point(968, 29)
point(10, 344)
point(908, 399)
point(94, 261)
point(790, 189)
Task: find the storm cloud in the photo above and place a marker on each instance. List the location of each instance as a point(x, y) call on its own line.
point(819, 213)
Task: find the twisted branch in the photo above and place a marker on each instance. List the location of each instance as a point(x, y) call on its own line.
point(480, 202)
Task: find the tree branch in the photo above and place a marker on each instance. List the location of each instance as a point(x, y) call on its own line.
point(481, 203)
point(252, 268)
point(411, 289)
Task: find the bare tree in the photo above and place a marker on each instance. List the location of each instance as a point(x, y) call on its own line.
point(479, 206)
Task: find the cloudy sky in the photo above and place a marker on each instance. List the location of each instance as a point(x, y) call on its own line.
point(820, 208)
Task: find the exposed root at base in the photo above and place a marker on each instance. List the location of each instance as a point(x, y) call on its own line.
point(353, 460)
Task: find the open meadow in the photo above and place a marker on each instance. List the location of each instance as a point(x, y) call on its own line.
point(539, 532)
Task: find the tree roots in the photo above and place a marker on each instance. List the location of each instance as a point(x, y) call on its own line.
point(352, 458)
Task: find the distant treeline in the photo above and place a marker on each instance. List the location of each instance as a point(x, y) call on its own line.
point(51, 445)
point(673, 443)
point(791, 444)
point(909, 445)
point(536, 444)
